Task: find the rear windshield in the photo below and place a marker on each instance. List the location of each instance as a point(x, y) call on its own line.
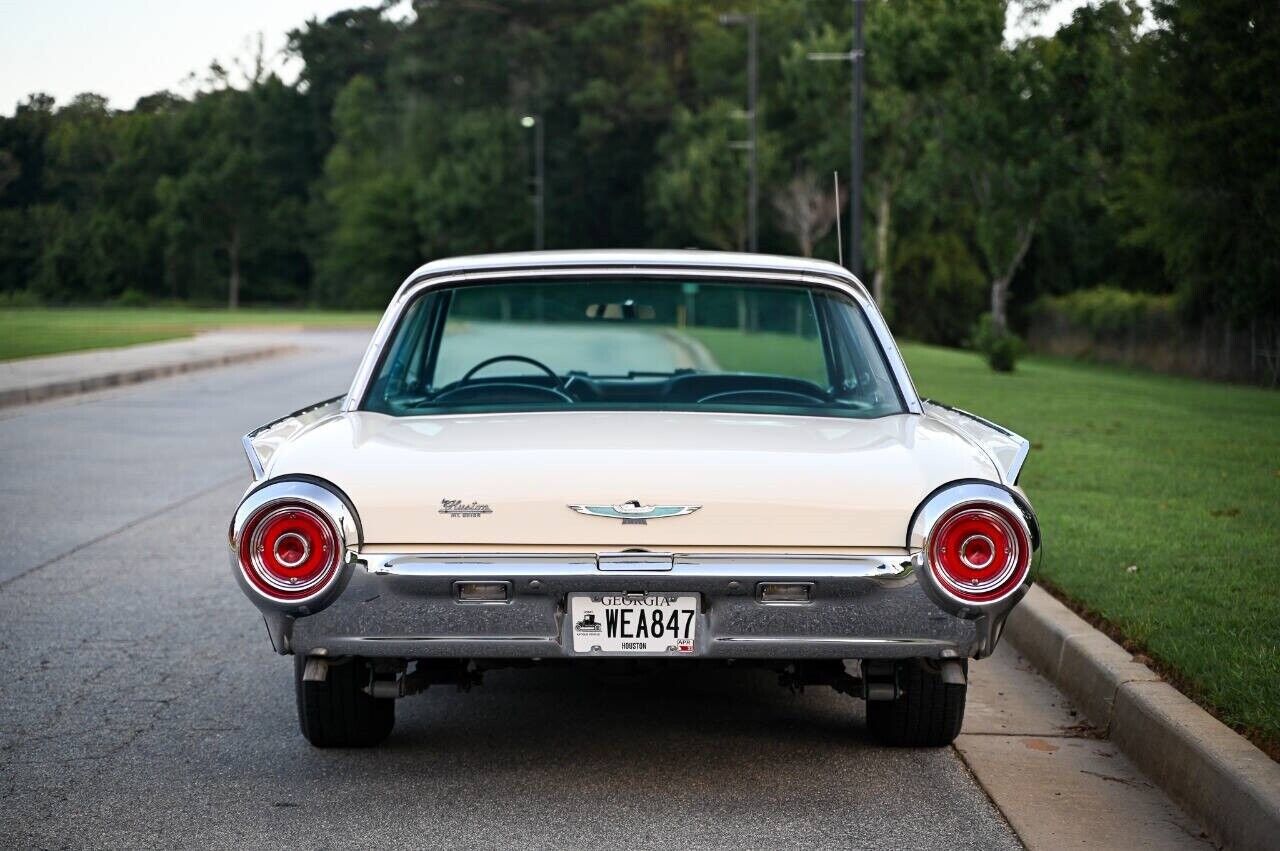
point(633, 343)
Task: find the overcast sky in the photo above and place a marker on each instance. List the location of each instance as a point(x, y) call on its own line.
point(128, 48)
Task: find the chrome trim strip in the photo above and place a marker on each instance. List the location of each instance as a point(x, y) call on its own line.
point(801, 639)
point(514, 260)
point(501, 564)
point(1024, 446)
point(962, 412)
point(700, 565)
point(648, 562)
point(541, 639)
point(1015, 469)
point(703, 266)
point(255, 463)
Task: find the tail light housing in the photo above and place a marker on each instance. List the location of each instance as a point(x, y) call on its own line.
point(979, 552)
point(289, 545)
point(289, 550)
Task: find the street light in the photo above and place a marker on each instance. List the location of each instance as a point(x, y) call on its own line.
point(854, 58)
point(730, 19)
point(534, 122)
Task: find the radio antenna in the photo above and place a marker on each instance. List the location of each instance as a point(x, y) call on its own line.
point(835, 179)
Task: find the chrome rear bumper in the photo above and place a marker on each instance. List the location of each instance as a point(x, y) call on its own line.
point(861, 607)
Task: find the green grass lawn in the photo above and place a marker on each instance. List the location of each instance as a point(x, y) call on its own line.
point(26, 332)
point(1179, 479)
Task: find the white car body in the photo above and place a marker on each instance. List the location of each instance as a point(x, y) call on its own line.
point(538, 502)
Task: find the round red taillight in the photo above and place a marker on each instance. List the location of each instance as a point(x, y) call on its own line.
point(979, 553)
point(289, 551)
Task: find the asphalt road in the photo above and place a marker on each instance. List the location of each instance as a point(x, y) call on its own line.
point(141, 705)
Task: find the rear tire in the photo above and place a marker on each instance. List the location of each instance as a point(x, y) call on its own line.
point(928, 712)
point(338, 713)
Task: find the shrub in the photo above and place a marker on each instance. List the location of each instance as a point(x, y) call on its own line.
point(133, 298)
point(1107, 310)
point(1001, 348)
point(20, 298)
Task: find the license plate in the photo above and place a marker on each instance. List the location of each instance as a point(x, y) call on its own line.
point(654, 624)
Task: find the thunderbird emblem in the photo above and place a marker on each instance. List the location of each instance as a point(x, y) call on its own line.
point(632, 512)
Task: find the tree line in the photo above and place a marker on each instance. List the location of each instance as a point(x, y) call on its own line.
point(1132, 150)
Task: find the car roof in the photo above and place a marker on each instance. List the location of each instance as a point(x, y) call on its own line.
point(693, 258)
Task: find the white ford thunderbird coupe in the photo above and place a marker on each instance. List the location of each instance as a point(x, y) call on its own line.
point(619, 457)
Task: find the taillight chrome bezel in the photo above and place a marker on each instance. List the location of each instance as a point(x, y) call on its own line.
point(997, 504)
point(340, 539)
point(998, 576)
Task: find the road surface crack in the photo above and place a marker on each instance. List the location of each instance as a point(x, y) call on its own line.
point(126, 527)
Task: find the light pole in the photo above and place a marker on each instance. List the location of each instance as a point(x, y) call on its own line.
point(854, 57)
point(753, 85)
point(539, 194)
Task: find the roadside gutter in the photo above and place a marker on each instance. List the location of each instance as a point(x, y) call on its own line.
point(1215, 774)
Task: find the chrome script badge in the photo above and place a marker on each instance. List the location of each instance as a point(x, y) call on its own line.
point(633, 513)
point(459, 508)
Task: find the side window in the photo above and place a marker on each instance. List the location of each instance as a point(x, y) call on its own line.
point(401, 372)
point(864, 376)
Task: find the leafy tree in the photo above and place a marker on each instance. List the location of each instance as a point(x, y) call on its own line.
point(474, 199)
point(996, 171)
point(22, 139)
point(358, 42)
point(1203, 188)
point(369, 236)
point(698, 192)
point(237, 204)
point(1082, 233)
point(1005, 143)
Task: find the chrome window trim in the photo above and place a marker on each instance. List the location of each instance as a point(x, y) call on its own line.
point(423, 280)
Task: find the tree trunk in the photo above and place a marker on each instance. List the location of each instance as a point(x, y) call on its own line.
point(233, 255)
point(1000, 283)
point(1000, 303)
point(880, 283)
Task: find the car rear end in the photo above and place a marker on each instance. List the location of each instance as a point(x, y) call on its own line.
point(392, 550)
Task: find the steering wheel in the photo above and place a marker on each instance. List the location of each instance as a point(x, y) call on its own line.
point(519, 358)
point(461, 389)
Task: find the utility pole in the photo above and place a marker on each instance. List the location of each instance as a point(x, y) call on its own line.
point(853, 57)
point(753, 90)
point(539, 178)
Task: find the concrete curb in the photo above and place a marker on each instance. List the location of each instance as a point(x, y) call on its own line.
point(99, 381)
point(1216, 775)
